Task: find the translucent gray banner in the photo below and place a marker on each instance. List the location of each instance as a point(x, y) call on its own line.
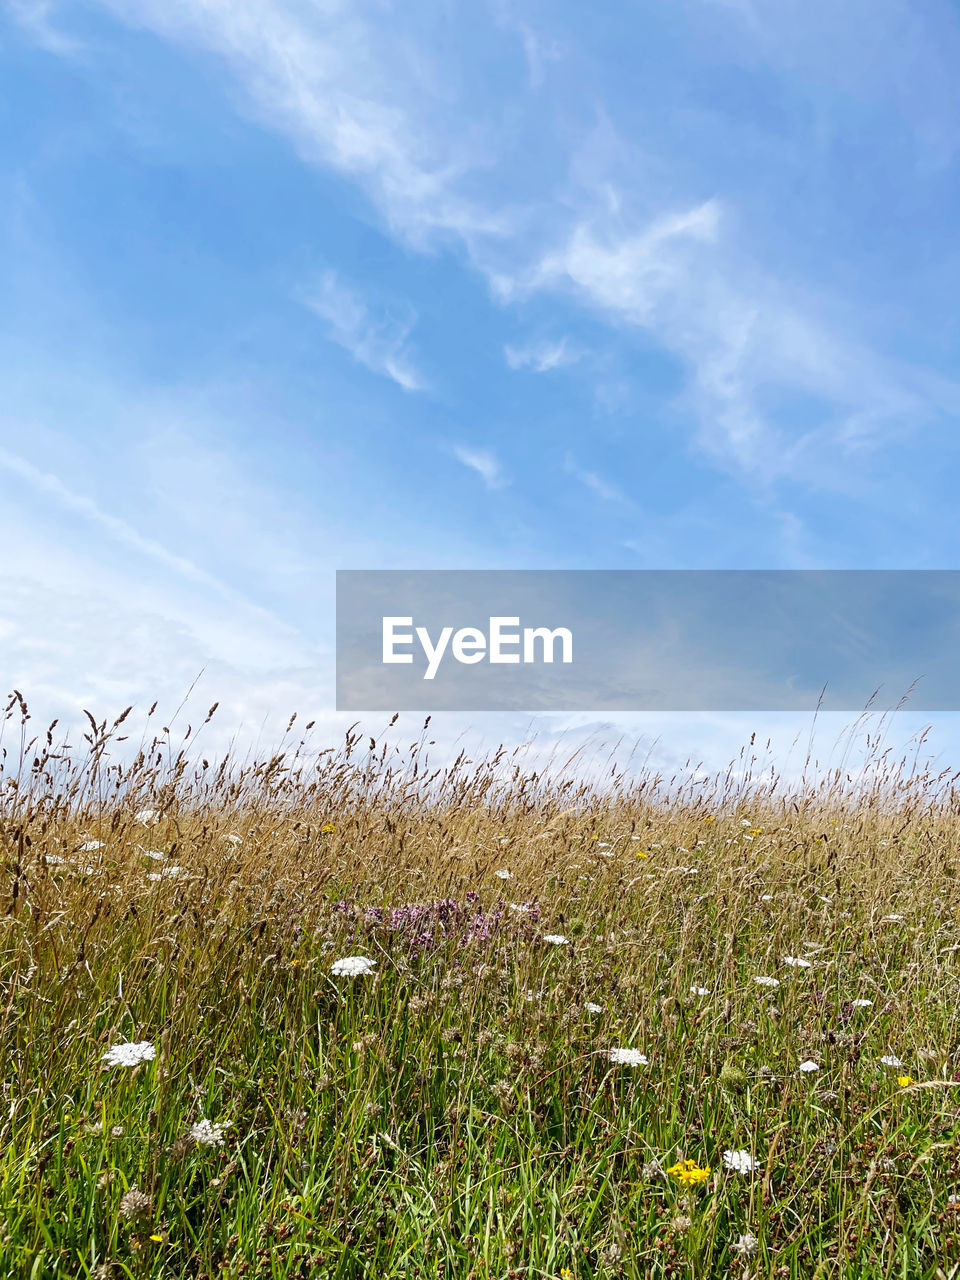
point(647, 640)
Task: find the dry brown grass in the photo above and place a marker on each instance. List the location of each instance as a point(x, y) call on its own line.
point(467, 1061)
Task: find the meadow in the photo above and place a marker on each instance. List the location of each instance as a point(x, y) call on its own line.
point(340, 1014)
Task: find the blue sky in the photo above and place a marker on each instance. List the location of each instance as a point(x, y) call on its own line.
point(290, 286)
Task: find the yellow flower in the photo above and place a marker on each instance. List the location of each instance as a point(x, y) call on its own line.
point(158, 1239)
point(756, 831)
point(904, 1082)
point(689, 1172)
point(328, 829)
point(640, 854)
point(709, 818)
point(566, 1273)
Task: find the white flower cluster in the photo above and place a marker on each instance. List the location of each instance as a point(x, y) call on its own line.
point(740, 1161)
point(352, 967)
point(627, 1057)
point(207, 1134)
point(129, 1054)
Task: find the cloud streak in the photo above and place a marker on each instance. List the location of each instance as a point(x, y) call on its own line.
point(484, 463)
point(541, 357)
point(378, 343)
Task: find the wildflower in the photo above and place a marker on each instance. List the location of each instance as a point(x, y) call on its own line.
point(146, 817)
point(809, 1066)
point(766, 897)
point(207, 1134)
point(556, 939)
point(627, 1057)
point(682, 1222)
point(168, 873)
point(699, 991)
point(566, 1273)
point(796, 962)
point(593, 1008)
point(861, 1004)
point(639, 853)
point(90, 846)
point(156, 855)
point(135, 1204)
point(766, 982)
point(502, 1090)
point(745, 1246)
point(904, 1082)
point(129, 1054)
point(891, 1060)
point(755, 831)
point(740, 1161)
point(689, 1173)
point(504, 874)
point(652, 1169)
point(352, 967)
point(328, 829)
point(233, 838)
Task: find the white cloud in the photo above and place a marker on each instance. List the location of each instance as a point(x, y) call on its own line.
point(541, 357)
point(36, 19)
point(484, 463)
point(631, 274)
point(118, 530)
point(744, 341)
point(538, 50)
point(378, 343)
point(358, 92)
point(352, 92)
point(602, 488)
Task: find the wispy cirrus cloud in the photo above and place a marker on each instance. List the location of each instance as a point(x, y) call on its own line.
point(594, 482)
point(377, 341)
point(352, 93)
point(358, 94)
point(541, 356)
point(484, 463)
point(750, 349)
point(36, 17)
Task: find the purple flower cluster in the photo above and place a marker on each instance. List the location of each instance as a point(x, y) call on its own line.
point(424, 926)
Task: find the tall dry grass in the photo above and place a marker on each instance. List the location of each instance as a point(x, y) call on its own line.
point(455, 1111)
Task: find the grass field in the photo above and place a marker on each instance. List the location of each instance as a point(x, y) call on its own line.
point(636, 1029)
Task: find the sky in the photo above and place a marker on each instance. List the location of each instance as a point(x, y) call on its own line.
point(297, 285)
